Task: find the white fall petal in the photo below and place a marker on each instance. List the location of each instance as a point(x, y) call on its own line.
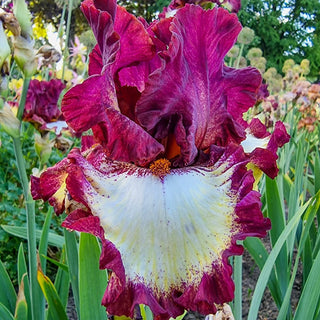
point(168, 231)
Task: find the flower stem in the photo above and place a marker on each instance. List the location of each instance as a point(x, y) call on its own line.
point(31, 229)
point(66, 46)
point(240, 55)
point(23, 98)
point(30, 210)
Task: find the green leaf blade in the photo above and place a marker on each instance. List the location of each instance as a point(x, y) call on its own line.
point(93, 281)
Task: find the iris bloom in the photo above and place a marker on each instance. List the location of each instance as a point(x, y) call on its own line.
point(41, 107)
point(163, 181)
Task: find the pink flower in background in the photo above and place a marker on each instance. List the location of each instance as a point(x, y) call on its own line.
point(163, 180)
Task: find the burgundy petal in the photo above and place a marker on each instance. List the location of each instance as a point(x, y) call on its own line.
point(107, 5)
point(242, 85)
point(123, 36)
point(51, 186)
point(279, 137)
point(194, 96)
point(102, 25)
point(84, 105)
point(95, 61)
point(124, 140)
point(135, 42)
point(42, 102)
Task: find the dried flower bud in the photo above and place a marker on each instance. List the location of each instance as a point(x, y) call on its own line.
point(23, 44)
point(48, 55)
point(10, 22)
point(246, 36)
point(5, 52)
point(9, 122)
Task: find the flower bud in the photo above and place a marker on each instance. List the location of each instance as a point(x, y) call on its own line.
point(24, 55)
point(270, 73)
point(259, 63)
point(43, 147)
point(242, 63)
point(5, 52)
point(9, 122)
point(23, 16)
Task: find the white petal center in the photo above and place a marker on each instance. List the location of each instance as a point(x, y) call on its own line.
point(168, 231)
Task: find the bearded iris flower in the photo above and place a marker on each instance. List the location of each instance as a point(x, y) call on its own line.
point(41, 107)
point(163, 179)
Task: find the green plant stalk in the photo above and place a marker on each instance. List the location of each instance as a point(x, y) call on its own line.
point(30, 210)
point(23, 97)
point(240, 55)
point(66, 46)
point(237, 305)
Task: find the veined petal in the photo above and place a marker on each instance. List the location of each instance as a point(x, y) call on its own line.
point(95, 61)
point(84, 105)
point(169, 237)
point(194, 95)
point(124, 140)
point(279, 137)
point(122, 40)
point(51, 186)
point(135, 42)
point(93, 104)
point(102, 24)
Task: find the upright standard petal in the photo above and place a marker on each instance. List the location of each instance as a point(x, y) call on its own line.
point(102, 24)
point(122, 39)
point(93, 104)
point(194, 96)
point(185, 227)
